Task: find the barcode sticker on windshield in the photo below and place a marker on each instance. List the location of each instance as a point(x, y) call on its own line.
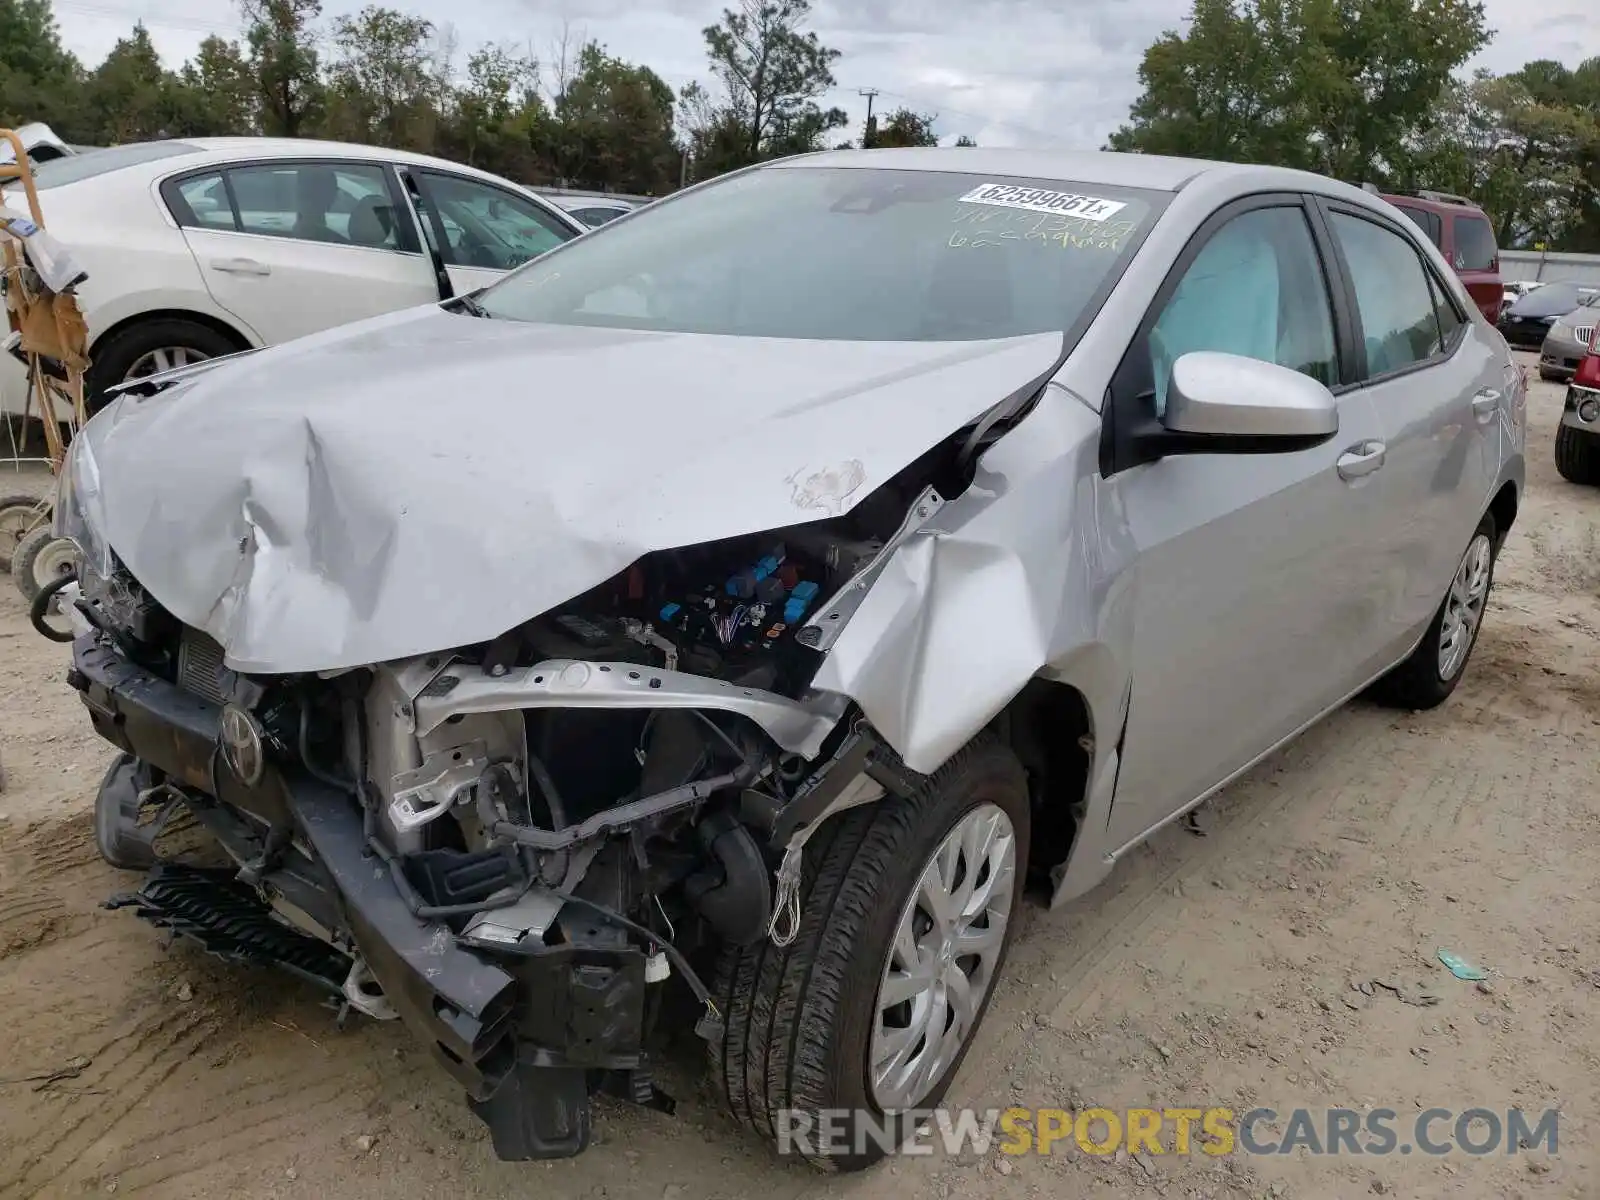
point(1061, 204)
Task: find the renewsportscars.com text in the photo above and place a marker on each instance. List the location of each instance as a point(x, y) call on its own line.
point(1182, 1131)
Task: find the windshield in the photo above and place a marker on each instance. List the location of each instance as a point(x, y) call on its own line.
point(59, 171)
point(843, 253)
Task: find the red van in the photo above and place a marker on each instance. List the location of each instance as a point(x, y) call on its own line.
point(1465, 237)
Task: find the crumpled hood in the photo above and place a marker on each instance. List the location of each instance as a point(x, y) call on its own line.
point(426, 480)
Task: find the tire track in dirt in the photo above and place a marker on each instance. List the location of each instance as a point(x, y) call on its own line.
point(141, 1057)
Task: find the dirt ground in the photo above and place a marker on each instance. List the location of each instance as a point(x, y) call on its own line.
point(1207, 970)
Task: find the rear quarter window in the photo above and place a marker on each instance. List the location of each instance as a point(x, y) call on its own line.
point(1475, 245)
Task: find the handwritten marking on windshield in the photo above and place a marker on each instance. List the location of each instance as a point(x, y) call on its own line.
point(1072, 233)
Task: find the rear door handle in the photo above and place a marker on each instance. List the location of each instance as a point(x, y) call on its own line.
point(240, 266)
point(1361, 459)
point(1485, 403)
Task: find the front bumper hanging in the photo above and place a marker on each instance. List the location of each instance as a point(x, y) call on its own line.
point(528, 1033)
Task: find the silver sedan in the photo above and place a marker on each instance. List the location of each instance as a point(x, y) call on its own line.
point(827, 553)
point(1568, 341)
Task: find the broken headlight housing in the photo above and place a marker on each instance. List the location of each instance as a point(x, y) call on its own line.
point(79, 509)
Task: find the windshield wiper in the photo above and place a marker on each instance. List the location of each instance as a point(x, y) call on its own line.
point(471, 306)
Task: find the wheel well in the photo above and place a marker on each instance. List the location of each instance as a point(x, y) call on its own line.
point(1503, 508)
point(174, 314)
point(1048, 728)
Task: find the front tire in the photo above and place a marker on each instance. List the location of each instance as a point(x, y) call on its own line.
point(1578, 455)
point(870, 1010)
point(1426, 679)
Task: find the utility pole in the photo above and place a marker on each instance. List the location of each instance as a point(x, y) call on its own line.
point(866, 131)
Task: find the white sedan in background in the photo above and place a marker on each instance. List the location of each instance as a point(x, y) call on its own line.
point(206, 246)
point(594, 211)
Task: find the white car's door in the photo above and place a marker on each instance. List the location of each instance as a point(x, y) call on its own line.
point(481, 231)
point(294, 247)
point(1256, 596)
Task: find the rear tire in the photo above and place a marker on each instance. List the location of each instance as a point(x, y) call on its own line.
point(1426, 679)
point(1578, 455)
point(800, 1020)
point(117, 357)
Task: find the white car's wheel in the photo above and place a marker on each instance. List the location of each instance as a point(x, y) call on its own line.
point(149, 347)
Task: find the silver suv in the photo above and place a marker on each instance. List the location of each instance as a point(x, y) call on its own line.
point(758, 593)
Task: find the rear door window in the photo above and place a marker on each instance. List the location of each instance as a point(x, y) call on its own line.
point(1475, 245)
point(344, 204)
point(1426, 221)
point(1394, 297)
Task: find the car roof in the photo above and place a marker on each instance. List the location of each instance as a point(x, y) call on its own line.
point(273, 147)
point(1154, 172)
point(190, 153)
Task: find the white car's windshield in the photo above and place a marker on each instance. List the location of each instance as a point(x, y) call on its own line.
point(843, 253)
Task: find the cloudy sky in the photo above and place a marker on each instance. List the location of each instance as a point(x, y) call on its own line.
point(1006, 72)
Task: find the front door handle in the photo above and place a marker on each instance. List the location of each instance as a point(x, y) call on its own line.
point(240, 266)
point(1361, 459)
point(1485, 402)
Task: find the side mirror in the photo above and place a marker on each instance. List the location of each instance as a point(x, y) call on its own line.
point(1228, 404)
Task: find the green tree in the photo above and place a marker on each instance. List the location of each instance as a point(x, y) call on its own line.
point(129, 96)
point(39, 80)
point(381, 86)
point(1340, 86)
point(964, 140)
point(281, 36)
point(215, 93)
point(773, 71)
point(1522, 145)
point(1224, 90)
point(492, 110)
point(711, 134)
point(904, 127)
point(1373, 71)
point(612, 125)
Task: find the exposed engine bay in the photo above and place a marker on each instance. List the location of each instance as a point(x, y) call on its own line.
point(589, 803)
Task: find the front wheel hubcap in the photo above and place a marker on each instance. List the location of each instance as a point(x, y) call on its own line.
point(942, 961)
point(1463, 607)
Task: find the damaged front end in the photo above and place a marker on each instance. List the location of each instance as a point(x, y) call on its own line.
point(515, 845)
